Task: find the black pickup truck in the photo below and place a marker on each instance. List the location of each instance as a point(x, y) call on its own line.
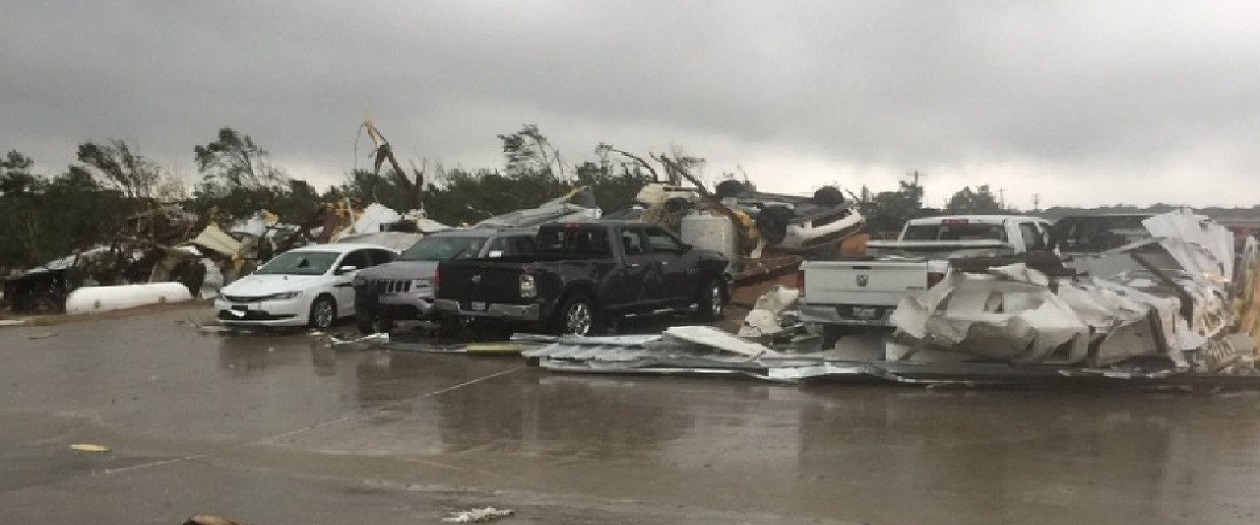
point(584, 274)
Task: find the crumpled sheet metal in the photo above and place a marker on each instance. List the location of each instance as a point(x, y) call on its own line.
point(1008, 314)
point(1130, 307)
point(1201, 244)
point(715, 338)
point(1118, 317)
point(678, 349)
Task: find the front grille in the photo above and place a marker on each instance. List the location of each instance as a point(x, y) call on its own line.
point(392, 286)
point(245, 298)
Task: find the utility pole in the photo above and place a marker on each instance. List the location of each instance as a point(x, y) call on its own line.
point(1036, 203)
point(915, 175)
point(917, 188)
point(1002, 198)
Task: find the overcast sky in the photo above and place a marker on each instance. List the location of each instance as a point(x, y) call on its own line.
point(1090, 102)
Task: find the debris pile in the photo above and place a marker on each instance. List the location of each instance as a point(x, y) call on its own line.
point(680, 349)
point(1163, 302)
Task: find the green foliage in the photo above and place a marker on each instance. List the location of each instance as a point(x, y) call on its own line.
point(42, 219)
point(980, 201)
point(128, 172)
point(234, 160)
point(528, 152)
point(887, 211)
point(15, 174)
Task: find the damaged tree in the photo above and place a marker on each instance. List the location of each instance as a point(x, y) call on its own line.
point(129, 172)
point(236, 160)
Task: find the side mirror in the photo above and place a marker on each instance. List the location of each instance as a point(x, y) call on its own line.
point(346, 269)
point(685, 248)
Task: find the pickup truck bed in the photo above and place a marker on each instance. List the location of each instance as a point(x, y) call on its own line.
point(840, 293)
point(853, 293)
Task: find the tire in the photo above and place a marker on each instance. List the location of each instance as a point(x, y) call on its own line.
point(450, 326)
point(831, 334)
point(323, 313)
point(364, 324)
point(576, 316)
point(712, 300)
point(367, 325)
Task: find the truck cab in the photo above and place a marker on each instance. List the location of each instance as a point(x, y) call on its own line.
point(586, 273)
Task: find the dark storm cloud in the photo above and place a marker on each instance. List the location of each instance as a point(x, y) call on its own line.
point(1055, 93)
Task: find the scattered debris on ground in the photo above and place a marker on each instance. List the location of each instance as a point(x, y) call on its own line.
point(206, 519)
point(478, 515)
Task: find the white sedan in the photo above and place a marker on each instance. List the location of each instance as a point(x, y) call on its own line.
point(307, 286)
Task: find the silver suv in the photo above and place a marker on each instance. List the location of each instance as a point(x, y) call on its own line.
point(402, 290)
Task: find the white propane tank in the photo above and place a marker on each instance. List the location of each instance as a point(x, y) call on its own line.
point(710, 232)
point(90, 299)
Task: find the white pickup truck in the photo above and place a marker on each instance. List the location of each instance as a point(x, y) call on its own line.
point(864, 292)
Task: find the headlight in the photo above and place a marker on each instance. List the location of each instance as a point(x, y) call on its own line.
point(528, 288)
point(285, 295)
point(422, 283)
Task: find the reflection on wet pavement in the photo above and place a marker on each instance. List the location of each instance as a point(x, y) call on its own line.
point(289, 404)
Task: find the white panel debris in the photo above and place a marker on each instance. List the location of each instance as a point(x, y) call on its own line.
point(373, 216)
point(715, 338)
point(767, 315)
point(215, 239)
point(1200, 244)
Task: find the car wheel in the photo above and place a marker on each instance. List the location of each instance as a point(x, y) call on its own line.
point(450, 325)
point(831, 334)
point(575, 317)
point(368, 326)
point(323, 312)
point(712, 301)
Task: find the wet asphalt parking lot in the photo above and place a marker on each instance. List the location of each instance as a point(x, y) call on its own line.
point(281, 429)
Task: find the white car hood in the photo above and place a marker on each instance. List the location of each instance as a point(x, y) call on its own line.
point(259, 285)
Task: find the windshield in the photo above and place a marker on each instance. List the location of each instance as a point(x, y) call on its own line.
point(955, 232)
point(299, 263)
point(443, 248)
point(1099, 233)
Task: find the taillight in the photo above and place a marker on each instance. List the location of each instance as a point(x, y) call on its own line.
point(528, 288)
point(436, 280)
point(800, 281)
point(934, 278)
